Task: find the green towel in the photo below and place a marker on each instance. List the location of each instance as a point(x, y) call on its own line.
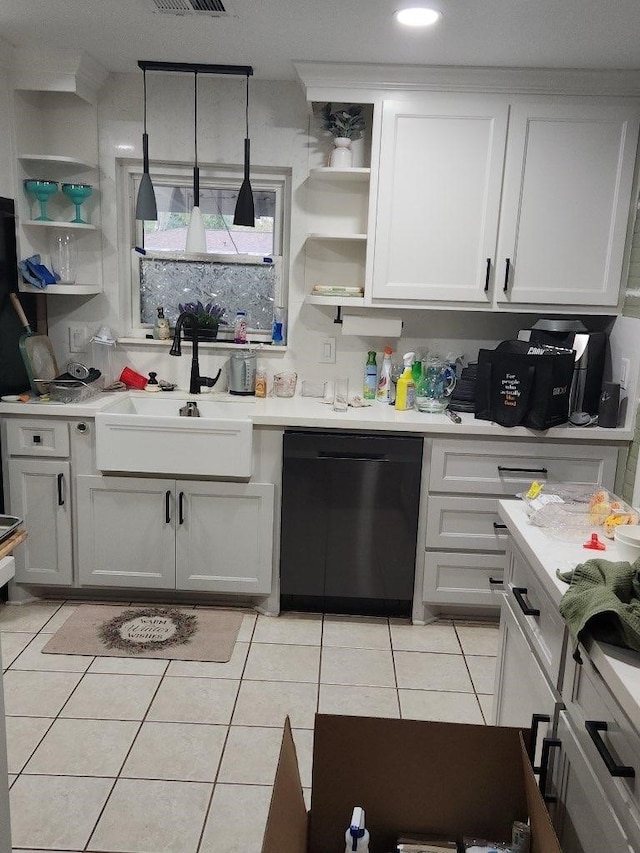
point(603, 599)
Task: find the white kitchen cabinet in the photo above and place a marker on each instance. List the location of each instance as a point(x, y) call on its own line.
point(536, 215)
point(566, 202)
point(440, 172)
point(465, 540)
point(40, 491)
point(189, 535)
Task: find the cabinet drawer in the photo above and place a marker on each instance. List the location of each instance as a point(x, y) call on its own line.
point(544, 627)
point(465, 524)
point(506, 467)
point(37, 438)
point(463, 578)
point(589, 701)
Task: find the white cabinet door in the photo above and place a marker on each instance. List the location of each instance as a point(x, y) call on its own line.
point(440, 173)
point(224, 538)
point(40, 491)
point(583, 820)
point(566, 203)
point(126, 532)
point(522, 688)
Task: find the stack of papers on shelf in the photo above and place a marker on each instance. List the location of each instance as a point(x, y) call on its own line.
point(336, 290)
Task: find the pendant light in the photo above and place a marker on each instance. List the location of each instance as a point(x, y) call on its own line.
point(146, 207)
point(244, 213)
point(196, 237)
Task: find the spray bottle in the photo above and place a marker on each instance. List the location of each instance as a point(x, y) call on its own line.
point(356, 837)
point(383, 394)
point(405, 387)
point(370, 376)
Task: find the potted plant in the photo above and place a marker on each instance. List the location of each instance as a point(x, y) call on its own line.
point(209, 317)
point(344, 125)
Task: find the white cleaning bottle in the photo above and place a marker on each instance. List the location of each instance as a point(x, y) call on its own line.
point(356, 837)
point(383, 394)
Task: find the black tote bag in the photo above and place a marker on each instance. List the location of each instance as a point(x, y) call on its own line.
point(524, 384)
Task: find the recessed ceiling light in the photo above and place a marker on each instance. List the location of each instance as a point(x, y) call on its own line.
point(418, 16)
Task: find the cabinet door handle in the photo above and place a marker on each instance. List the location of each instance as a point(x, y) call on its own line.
point(594, 727)
point(502, 469)
point(167, 509)
point(61, 490)
point(497, 526)
point(496, 581)
point(536, 719)
point(507, 270)
point(487, 276)
point(519, 593)
point(548, 744)
point(181, 508)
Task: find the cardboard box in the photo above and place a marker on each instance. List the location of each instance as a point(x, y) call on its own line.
point(410, 777)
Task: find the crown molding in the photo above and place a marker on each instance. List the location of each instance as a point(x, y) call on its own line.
point(323, 80)
point(58, 71)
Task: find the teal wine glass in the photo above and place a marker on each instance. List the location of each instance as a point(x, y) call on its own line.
point(77, 193)
point(42, 190)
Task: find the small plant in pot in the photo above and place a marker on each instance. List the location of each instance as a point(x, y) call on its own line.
point(209, 317)
point(344, 125)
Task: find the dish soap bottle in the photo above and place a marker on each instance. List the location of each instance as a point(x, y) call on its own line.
point(356, 837)
point(161, 331)
point(383, 394)
point(405, 387)
point(370, 376)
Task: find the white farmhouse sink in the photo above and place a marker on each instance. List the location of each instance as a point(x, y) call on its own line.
point(147, 435)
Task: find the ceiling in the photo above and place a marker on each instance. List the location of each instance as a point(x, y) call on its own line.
point(271, 34)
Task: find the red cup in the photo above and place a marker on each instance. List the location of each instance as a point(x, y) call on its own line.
point(132, 379)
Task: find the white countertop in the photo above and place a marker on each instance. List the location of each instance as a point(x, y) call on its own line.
point(620, 668)
point(312, 412)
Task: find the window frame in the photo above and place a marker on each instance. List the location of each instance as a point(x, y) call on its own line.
point(277, 180)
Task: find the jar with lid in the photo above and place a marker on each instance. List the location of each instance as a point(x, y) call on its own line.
point(240, 328)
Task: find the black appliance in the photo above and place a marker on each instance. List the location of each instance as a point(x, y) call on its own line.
point(13, 376)
point(590, 349)
point(349, 522)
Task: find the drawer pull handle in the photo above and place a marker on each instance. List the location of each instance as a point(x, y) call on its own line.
point(519, 593)
point(487, 276)
point(548, 744)
point(496, 581)
point(507, 269)
point(594, 727)
point(181, 508)
point(61, 490)
point(497, 526)
point(536, 719)
point(82, 427)
point(502, 468)
point(167, 512)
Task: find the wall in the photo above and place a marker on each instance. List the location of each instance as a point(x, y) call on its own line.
point(280, 123)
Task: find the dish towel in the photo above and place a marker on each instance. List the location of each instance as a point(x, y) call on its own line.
point(603, 600)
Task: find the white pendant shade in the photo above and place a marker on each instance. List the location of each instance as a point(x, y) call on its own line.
point(196, 236)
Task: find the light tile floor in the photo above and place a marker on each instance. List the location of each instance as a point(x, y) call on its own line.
point(113, 755)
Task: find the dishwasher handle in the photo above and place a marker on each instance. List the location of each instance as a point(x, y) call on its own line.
point(351, 457)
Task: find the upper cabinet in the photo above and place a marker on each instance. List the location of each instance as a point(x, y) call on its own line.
point(440, 172)
point(499, 202)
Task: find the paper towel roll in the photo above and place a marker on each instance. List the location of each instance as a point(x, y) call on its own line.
point(380, 327)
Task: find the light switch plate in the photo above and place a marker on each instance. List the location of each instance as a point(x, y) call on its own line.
point(327, 351)
point(78, 337)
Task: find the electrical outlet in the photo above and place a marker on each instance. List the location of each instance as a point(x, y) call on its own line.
point(327, 351)
point(624, 372)
point(78, 335)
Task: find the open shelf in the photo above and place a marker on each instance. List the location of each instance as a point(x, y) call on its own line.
point(352, 237)
point(59, 160)
point(353, 174)
point(335, 299)
point(55, 223)
point(62, 287)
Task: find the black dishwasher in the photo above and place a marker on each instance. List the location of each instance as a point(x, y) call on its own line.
point(349, 522)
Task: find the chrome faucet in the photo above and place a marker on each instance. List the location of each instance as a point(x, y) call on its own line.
point(188, 317)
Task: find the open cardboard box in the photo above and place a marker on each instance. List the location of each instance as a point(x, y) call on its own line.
point(410, 777)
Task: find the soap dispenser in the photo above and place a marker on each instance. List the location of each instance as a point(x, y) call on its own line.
point(357, 837)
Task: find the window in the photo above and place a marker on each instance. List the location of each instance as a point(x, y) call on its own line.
point(242, 268)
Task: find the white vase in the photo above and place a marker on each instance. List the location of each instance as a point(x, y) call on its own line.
point(196, 236)
point(341, 156)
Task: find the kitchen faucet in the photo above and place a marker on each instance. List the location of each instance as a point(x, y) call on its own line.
point(196, 380)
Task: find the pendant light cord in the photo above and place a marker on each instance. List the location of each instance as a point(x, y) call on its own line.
point(144, 95)
point(246, 109)
point(195, 116)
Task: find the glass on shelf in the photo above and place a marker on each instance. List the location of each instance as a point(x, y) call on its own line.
point(42, 190)
point(64, 256)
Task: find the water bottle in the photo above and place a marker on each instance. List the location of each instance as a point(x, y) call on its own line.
point(240, 328)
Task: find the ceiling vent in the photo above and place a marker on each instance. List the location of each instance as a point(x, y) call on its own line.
point(213, 8)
